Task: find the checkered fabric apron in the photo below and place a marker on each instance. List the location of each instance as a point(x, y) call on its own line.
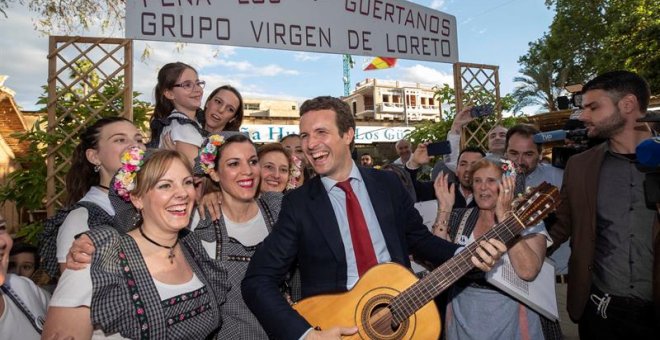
point(126, 301)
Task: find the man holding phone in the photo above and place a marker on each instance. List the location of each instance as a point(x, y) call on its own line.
point(496, 135)
point(425, 190)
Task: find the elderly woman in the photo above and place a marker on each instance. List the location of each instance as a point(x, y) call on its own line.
point(476, 309)
point(154, 282)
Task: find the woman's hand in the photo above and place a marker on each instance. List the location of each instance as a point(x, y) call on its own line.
point(505, 197)
point(444, 192)
point(167, 142)
point(213, 202)
point(80, 253)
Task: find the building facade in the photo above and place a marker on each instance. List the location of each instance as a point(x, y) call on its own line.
point(379, 100)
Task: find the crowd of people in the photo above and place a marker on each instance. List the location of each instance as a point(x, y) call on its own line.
point(199, 233)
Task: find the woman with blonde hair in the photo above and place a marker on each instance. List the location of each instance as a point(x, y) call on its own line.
point(155, 281)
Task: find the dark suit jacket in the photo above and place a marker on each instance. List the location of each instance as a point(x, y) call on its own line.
point(576, 218)
point(307, 232)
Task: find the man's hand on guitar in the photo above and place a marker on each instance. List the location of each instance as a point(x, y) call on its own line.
point(332, 333)
point(489, 253)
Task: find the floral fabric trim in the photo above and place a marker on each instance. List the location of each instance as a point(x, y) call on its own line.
point(184, 297)
point(135, 296)
point(187, 315)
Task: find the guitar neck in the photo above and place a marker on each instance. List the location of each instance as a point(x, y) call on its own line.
point(424, 290)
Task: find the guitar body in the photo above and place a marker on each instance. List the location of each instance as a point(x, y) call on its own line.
point(366, 306)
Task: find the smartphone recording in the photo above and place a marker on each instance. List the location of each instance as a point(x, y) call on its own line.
point(481, 110)
point(438, 148)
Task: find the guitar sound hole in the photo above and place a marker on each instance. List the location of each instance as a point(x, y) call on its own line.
point(383, 318)
point(380, 323)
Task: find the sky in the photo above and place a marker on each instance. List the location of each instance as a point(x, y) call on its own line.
point(493, 32)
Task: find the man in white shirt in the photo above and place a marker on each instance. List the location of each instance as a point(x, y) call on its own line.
point(521, 149)
point(404, 150)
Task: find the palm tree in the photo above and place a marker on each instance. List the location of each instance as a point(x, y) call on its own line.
point(540, 86)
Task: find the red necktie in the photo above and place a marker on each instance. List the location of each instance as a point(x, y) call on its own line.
point(365, 256)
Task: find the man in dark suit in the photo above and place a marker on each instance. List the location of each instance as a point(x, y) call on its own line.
point(425, 190)
point(315, 230)
point(611, 268)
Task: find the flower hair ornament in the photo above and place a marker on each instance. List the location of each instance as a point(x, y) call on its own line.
point(209, 152)
point(131, 162)
point(294, 173)
point(508, 168)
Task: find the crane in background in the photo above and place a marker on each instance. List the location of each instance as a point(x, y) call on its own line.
point(348, 65)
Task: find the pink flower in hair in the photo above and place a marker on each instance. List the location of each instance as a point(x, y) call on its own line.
point(295, 173)
point(209, 152)
point(131, 161)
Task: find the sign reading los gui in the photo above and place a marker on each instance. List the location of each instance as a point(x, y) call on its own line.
point(363, 134)
point(392, 28)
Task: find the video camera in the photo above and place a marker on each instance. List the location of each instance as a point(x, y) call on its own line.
point(575, 141)
point(574, 135)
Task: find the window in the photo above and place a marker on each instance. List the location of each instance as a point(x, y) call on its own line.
point(251, 106)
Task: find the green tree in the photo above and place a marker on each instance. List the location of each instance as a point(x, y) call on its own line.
point(72, 15)
point(27, 186)
point(539, 86)
point(590, 37)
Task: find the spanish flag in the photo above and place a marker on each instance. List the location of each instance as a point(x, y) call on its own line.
point(380, 63)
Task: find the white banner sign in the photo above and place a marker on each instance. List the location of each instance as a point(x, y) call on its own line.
point(364, 134)
point(387, 28)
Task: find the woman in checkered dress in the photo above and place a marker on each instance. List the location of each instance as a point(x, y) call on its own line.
point(156, 281)
point(245, 222)
point(93, 164)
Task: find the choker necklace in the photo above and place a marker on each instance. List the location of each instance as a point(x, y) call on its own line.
point(103, 186)
point(171, 254)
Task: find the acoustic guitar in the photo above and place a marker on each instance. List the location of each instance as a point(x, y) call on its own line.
point(389, 302)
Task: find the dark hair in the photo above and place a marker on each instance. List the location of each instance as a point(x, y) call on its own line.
point(344, 116)
point(81, 176)
point(365, 154)
point(289, 135)
point(620, 83)
point(525, 130)
point(21, 247)
point(167, 78)
point(233, 124)
point(274, 147)
point(404, 177)
point(237, 138)
point(473, 149)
